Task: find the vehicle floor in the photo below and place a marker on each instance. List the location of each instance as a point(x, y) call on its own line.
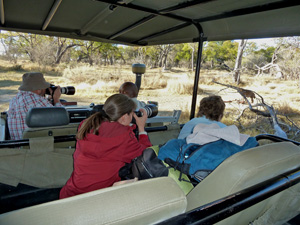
point(294, 221)
point(22, 196)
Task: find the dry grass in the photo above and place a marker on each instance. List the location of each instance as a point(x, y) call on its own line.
point(172, 89)
point(181, 86)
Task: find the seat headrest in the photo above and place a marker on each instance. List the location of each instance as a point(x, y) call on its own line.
point(47, 117)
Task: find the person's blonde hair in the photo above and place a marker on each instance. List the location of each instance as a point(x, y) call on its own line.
point(212, 107)
point(114, 108)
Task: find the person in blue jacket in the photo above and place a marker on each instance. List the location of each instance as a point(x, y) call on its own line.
point(211, 110)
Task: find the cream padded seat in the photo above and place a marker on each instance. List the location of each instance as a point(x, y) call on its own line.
point(142, 202)
point(246, 169)
point(41, 165)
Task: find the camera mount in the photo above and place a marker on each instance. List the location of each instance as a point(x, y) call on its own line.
point(139, 70)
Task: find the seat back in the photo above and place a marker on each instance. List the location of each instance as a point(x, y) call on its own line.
point(161, 137)
point(49, 121)
point(246, 169)
point(142, 202)
point(41, 165)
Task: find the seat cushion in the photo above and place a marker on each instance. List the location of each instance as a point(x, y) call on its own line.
point(47, 116)
point(246, 169)
point(143, 202)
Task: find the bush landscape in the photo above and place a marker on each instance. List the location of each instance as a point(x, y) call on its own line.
point(98, 69)
point(172, 89)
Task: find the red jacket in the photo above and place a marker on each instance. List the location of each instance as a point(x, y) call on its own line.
point(98, 158)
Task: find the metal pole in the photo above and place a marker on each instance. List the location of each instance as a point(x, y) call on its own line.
point(25, 142)
point(274, 138)
point(197, 74)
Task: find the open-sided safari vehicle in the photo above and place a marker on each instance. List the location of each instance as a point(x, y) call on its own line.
point(257, 186)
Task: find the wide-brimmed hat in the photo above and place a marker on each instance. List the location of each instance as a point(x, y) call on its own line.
point(33, 81)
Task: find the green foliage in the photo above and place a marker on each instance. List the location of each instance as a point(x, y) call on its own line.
point(267, 53)
point(220, 50)
point(250, 48)
point(184, 52)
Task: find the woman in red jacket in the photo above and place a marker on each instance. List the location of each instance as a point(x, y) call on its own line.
point(105, 142)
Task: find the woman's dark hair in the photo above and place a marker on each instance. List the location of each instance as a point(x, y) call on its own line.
point(114, 107)
point(212, 107)
point(130, 89)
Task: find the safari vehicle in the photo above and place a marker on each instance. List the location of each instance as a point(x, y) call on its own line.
point(256, 186)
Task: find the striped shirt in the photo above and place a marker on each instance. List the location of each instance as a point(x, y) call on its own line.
point(19, 106)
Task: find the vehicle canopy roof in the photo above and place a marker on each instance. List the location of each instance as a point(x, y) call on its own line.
point(144, 22)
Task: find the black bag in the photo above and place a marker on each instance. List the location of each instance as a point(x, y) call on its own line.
point(145, 166)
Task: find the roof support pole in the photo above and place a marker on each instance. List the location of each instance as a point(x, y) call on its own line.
point(197, 73)
point(51, 14)
point(2, 12)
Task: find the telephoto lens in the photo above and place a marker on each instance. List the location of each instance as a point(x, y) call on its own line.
point(69, 90)
point(150, 109)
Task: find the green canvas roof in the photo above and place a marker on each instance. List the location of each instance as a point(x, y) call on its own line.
point(150, 22)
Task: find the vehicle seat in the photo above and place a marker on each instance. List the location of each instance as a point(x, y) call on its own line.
point(41, 165)
point(161, 137)
point(49, 121)
point(245, 169)
point(142, 202)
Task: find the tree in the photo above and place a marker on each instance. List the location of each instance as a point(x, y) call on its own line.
point(38, 48)
point(288, 57)
point(185, 53)
point(193, 47)
point(86, 50)
point(11, 50)
point(62, 46)
point(109, 52)
point(268, 53)
point(215, 51)
point(163, 56)
point(238, 62)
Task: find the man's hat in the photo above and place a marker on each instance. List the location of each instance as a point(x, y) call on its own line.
point(33, 82)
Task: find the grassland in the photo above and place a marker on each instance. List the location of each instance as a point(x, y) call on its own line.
point(172, 89)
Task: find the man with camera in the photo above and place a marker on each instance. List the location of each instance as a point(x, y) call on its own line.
point(31, 94)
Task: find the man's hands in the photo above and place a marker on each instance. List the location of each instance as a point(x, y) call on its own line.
point(141, 121)
point(56, 95)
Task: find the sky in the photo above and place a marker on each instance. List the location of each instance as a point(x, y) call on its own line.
point(261, 42)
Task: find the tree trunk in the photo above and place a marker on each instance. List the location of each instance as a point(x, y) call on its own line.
point(193, 53)
point(238, 62)
point(60, 52)
point(212, 64)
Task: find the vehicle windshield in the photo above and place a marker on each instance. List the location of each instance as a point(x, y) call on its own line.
point(268, 73)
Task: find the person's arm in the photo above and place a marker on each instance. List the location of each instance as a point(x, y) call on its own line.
point(144, 140)
point(186, 130)
point(134, 147)
point(141, 121)
point(56, 96)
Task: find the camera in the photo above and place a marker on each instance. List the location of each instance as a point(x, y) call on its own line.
point(69, 90)
point(150, 109)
